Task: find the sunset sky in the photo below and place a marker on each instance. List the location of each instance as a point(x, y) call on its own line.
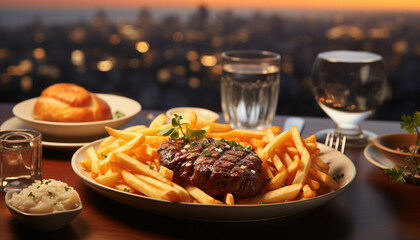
point(361, 5)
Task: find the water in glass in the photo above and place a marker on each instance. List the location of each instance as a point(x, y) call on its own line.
point(249, 95)
point(20, 159)
point(249, 88)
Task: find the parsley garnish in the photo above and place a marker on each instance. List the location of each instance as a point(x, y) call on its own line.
point(119, 114)
point(151, 167)
point(338, 176)
point(66, 188)
point(42, 181)
point(205, 145)
point(126, 190)
point(206, 153)
point(236, 144)
point(411, 124)
point(31, 195)
point(186, 130)
point(261, 202)
point(396, 175)
point(104, 155)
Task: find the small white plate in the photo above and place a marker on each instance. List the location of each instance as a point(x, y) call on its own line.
point(51, 142)
point(379, 159)
point(202, 113)
point(339, 164)
point(129, 107)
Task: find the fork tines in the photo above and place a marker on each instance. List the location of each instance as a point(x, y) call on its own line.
point(336, 141)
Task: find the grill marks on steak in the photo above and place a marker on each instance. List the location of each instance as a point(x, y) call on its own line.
point(214, 166)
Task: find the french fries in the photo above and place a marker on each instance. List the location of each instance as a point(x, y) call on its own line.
point(200, 195)
point(147, 189)
point(128, 160)
point(229, 199)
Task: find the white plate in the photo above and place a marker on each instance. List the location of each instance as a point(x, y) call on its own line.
point(202, 113)
point(24, 111)
point(339, 164)
point(15, 123)
point(379, 159)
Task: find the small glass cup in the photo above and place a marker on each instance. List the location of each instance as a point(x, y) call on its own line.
point(20, 159)
point(250, 88)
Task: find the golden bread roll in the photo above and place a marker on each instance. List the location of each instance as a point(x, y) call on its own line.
point(66, 102)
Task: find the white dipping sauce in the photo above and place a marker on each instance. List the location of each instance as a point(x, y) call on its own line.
point(46, 196)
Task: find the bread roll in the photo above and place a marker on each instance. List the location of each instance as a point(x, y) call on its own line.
point(66, 102)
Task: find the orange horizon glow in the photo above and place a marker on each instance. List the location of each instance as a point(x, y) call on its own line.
point(330, 5)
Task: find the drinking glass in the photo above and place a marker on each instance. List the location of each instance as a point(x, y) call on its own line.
point(349, 86)
point(20, 159)
point(250, 88)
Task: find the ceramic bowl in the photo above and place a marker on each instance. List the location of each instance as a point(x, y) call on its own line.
point(389, 143)
point(43, 222)
point(202, 113)
point(127, 106)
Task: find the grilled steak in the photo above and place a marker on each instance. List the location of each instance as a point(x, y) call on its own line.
point(215, 166)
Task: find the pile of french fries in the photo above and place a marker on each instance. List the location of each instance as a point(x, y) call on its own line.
point(128, 160)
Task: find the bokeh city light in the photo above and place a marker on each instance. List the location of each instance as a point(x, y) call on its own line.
point(173, 59)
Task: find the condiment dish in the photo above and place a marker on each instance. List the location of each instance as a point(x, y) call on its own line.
point(202, 113)
point(389, 143)
point(43, 222)
point(128, 107)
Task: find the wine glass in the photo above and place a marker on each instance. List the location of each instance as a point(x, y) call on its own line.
point(349, 86)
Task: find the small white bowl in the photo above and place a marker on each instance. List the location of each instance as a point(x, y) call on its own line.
point(43, 222)
point(127, 106)
point(202, 113)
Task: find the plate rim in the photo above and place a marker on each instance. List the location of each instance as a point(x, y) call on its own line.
point(44, 143)
point(319, 200)
point(368, 155)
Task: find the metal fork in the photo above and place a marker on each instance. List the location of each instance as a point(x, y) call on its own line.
point(336, 141)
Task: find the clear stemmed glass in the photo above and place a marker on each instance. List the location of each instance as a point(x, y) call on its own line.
point(349, 86)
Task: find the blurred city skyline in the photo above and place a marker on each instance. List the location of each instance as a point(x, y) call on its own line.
point(172, 58)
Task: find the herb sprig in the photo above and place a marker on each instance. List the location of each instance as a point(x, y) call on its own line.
point(119, 114)
point(185, 129)
point(412, 125)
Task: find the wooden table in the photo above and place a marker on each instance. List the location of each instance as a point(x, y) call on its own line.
point(373, 207)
